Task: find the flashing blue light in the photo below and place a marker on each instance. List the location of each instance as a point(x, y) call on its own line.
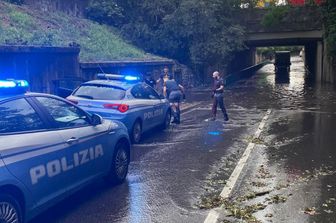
point(12, 87)
point(214, 133)
point(117, 77)
point(7, 84)
point(131, 78)
point(22, 83)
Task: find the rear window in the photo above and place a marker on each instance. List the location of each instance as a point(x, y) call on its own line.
point(99, 92)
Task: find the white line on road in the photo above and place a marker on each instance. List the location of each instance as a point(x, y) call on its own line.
point(213, 214)
point(190, 106)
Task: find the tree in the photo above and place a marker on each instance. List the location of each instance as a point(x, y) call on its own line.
point(198, 33)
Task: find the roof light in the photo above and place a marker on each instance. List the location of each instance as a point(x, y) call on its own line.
point(131, 78)
point(117, 77)
point(22, 83)
point(13, 86)
point(7, 84)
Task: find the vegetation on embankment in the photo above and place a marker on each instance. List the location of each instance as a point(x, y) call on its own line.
point(20, 25)
point(198, 33)
point(330, 26)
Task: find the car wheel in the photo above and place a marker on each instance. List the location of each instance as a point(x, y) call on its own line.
point(136, 132)
point(120, 162)
point(10, 210)
point(167, 120)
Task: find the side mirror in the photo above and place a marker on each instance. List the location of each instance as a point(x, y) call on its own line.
point(96, 119)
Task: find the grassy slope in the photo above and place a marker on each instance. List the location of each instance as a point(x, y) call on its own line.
point(20, 25)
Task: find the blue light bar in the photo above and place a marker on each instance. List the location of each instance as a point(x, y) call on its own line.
point(110, 76)
point(117, 77)
point(7, 84)
point(131, 78)
point(12, 87)
point(22, 83)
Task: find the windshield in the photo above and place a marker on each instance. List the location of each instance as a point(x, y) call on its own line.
point(100, 92)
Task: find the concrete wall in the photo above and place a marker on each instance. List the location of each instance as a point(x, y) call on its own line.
point(41, 66)
point(155, 68)
point(242, 60)
point(70, 7)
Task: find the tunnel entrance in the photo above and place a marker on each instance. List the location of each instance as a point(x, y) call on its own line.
point(311, 53)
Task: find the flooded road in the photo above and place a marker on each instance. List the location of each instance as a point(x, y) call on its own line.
point(172, 171)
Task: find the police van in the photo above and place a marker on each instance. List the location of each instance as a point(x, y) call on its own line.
point(50, 148)
point(124, 98)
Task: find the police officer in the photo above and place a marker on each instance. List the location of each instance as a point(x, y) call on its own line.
point(217, 95)
point(174, 92)
point(149, 80)
point(160, 82)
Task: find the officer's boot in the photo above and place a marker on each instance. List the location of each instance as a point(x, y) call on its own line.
point(226, 117)
point(178, 116)
point(174, 114)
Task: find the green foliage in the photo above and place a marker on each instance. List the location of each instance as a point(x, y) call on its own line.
point(329, 9)
point(17, 2)
point(99, 39)
point(105, 11)
point(274, 16)
point(19, 26)
point(196, 32)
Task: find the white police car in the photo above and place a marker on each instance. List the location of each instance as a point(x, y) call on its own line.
point(50, 148)
point(124, 98)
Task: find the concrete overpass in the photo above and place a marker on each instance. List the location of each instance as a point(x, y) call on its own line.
point(301, 26)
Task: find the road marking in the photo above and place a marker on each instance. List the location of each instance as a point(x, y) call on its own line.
point(190, 106)
point(212, 217)
point(213, 214)
point(193, 109)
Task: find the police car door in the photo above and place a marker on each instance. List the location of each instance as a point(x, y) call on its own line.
point(31, 150)
point(158, 106)
point(85, 155)
point(88, 151)
point(143, 105)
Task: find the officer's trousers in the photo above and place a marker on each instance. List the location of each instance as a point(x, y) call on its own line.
point(218, 100)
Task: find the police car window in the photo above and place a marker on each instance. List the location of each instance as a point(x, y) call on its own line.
point(139, 92)
point(19, 116)
point(100, 92)
point(64, 114)
point(150, 92)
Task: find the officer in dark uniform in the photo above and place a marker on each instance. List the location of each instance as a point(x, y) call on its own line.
point(149, 80)
point(217, 95)
point(174, 92)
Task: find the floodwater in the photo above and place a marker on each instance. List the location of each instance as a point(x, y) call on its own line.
point(172, 170)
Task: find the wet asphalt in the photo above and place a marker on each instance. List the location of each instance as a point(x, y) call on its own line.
point(172, 170)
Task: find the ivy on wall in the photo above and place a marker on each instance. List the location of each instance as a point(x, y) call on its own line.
point(274, 16)
point(329, 9)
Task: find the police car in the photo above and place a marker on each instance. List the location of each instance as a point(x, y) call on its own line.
point(126, 99)
point(50, 148)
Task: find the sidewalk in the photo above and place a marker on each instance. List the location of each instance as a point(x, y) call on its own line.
point(290, 175)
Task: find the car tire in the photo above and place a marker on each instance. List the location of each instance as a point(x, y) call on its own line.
point(10, 209)
point(119, 165)
point(167, 120)
point(136, 132)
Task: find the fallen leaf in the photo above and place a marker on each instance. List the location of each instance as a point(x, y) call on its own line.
point(311, 211)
